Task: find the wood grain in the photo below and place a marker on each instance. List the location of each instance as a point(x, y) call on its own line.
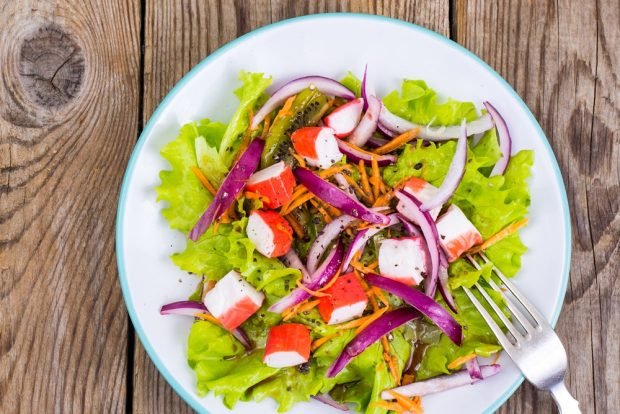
point(564, 64)
point(67, 68)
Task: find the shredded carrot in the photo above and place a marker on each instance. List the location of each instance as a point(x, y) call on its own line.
point(390, 406)
point(299, 158)
point(407, 379)
point(398, 141)
point(317, 343)
point(390, 360)
point(324, 213)
point(314, 293)
point(364, 178)
point(334, 170)
point(303, 307)
point(207, 317)
point(375, 179)
point(216, 226)
point(384, 200)
point(285, 110)
point(380, 296)
point(297, 228)
point(503, 233)
point(356, 148)
point(359, 266)
point(412, 405)
point(461, 360)
point(301, 200)
point(333, 211)
point(225, 218)
point(266, 125)
point(370, 320)
point(201, 177)
point(251, 195)
point(353, 324)
point(331, 282)
point(358, 190)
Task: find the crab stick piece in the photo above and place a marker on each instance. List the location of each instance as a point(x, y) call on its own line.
point(345, 300)
point(275, 183)
point(233, 300)
point(456, 233)
point(287, 345)
point(345, 118)
point(270, 232)
point(404, 260)
point(317, 145)
point(423, 191)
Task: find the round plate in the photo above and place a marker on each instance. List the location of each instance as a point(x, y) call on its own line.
point(330, 45)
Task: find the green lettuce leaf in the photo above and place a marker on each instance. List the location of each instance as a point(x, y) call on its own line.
point(420, 104)
point(249, 94)
point(185, 196)
point(352, 83)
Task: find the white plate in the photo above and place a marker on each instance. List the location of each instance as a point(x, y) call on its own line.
point(329, 44)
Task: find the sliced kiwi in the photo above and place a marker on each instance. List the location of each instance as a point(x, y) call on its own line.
point(308, 108)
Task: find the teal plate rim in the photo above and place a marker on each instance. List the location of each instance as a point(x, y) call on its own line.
point(193, 400)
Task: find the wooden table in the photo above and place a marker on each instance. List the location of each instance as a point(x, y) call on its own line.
point(79, 78)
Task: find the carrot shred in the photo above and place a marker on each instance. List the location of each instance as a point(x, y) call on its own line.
point(386, 405)
point(380, 296)
point(371, 319)
point(398, 141)
point(317, 343)
point(389, 359)
point(297, 228)
point(201, 177)
point(334, 170)
point(324, 213)
point(353, 324)
point(358, 190)
point(304, 306)
point(266, 125)
point(384, 200)
point(461, 360)
point(407, 379)
point(502, 234)
point(207, 317)
point(364, 179)
point(331, 282)
point(297, 203)
point(375, 179)
point(412, 405)
point(299, 158)
point(359, 266)
point(314, 293)
point(285, 110)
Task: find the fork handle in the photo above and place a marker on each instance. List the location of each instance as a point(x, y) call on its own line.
point(565, 402)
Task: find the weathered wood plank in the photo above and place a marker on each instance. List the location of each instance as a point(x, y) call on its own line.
point(561, 60)
point(177, 36)
point(68, 119)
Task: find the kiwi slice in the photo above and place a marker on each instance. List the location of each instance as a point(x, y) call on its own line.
point(308, 108)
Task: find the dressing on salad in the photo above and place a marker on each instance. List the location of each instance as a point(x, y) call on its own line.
point(331, 228)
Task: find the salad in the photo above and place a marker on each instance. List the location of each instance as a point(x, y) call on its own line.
point(331, 232)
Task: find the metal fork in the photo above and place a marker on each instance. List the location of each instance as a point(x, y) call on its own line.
point(532, 344)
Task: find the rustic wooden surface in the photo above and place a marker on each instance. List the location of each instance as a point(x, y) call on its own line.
point(80, 78)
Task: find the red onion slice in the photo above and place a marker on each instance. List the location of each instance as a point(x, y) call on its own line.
point(383, 325)
point(328, 269)
point(409, 207)
point(376, 142)
point(427, 306)
point(362, 133)
point(291, 259)
point(355, 155)
point(410, 228)
point(327, 399)
point(367, 88)
point(335, 197)
point(503, 135)
point(329, 233)
point(191, 308)
point(344, 185)
point(326, 85)
point(399, 125)
point(453, 177)
point(230, 188)
point(362, 237)
point(441, 383)
point(444, 289)
point(473, 368)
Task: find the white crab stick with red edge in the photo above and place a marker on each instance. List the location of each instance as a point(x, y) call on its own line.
point(270, 232)
point(423, 191)
point(456, 233)
point(346, 300)
point(275, 183)
point(233, 300)
point(317, 145)
point(404, 260)
point(287, 345)
point(345, 118)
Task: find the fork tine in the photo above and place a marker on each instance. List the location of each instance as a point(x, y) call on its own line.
point(499, 334)
point(514, 331)
point(526, 324)
point(536, 316)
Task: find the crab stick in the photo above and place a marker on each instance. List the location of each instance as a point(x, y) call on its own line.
point(317, 145)
point(456, 233)
point(423, 191)
point(345, 300)
point(233, 300)
point(275, 183)
point(404, 260)
point(345, 118)
point(287, 345)
point(270, 232)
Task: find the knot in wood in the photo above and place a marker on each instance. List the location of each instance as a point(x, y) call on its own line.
point(51, 67)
